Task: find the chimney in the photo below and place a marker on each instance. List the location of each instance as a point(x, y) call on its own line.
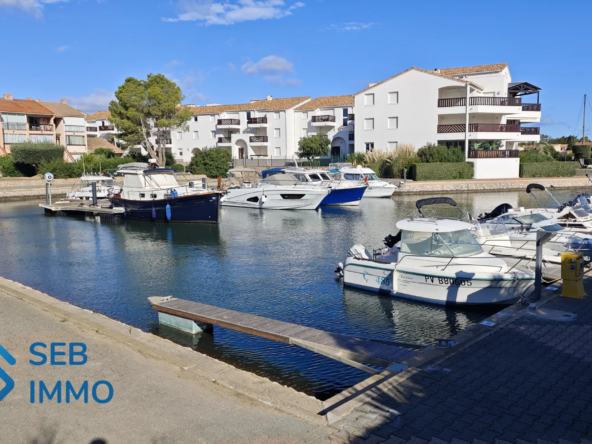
point(63, 101)
point(7, 97)
point(269, 97)
point(437, 70)
point(29, 98)
point(38, 100)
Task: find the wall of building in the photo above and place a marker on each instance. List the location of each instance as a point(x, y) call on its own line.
point(496, 168)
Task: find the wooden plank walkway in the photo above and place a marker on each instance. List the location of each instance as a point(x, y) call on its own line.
point(343, 348)
point(82, 206)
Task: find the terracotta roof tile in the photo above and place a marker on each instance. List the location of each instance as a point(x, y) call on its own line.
point(322, 102)
point(473, 69)
point(272, 105)
point(98, 142)
point(61, 110)
point(99, 115)
point(23, 106)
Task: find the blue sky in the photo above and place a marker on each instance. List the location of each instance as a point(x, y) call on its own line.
point(231, 51)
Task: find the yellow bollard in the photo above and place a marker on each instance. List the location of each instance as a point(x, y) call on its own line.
point(572, 272)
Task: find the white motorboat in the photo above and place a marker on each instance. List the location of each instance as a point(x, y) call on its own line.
point(105, 187)
point(576, 215)
point(376, 187)
point(276, 192)
point(436, 261)
point(244, 177)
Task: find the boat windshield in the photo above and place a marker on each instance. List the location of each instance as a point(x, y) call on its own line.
point(553, 227)
point(350, 176)
point(533, 218)
point(315, 177)
point(372, 177)
point(451, 244)
point(324, 176)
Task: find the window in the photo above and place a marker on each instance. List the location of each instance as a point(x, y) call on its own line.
point(393, 97)
point(392, 146)
point(180, 152)
point(179, 135)
point(368, 124)
point(278, 151)
point(369, 146)
point(248, 114)
point(345, 116)
point(369, 99)
point(393, 122)
point(276, 116)
point(74, 140)
point(195, 118)
point(276, 132)
point(304, 132)
point(15, 138)
point(351, 176)
point(305, 115)
point(212, 134)
point(75, 128)
point(44, 138)
point(195, 135)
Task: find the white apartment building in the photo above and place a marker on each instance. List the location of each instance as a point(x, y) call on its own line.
point(98, 125)
point(70, 128)
point(261, 129)
point(332, 116)
point(419, 106)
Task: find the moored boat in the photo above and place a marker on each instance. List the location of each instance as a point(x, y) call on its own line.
point(377, 187)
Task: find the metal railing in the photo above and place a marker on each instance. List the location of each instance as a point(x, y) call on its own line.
point(164, 141)
point(487, 101)
point(530, 131)
point(14, 126)
point(75, 128)
point(224, 140)
point(480, 128)
point(106, 128)
point(493, 154)
point(318, 119)
point(40, 127)
point(531, 107)
point(256, 120)
point(256, 139)
point(351, 117)
point(91, 129)
point(228, 121)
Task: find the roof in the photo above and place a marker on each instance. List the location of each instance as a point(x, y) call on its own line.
point(479, 69)
point(62, 110)
point(24, 107)
point(425, 71)
point(273, 104)
point(98, 142)
point(99, 115)
point(323, 102)
point(427, 225)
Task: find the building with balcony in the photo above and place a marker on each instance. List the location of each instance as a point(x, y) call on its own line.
point(472, 107)
point(262, 130)
point(98, 125)
point(332, 116)
point(70, 128)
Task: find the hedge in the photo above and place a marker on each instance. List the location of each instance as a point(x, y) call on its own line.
point(35, 153)
point(549, 169)
point(582, 151)
point(8, 168)
point(442, 171)
point(587, 161)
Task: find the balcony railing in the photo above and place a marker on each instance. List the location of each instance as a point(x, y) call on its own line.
point(91, 129)
point(164, 141)
point(479, 128)
point(14, 126)
point(487, 101)
point(530, 131)
point(228, 121)
point(40, 127)
point(351, 136)
point(106, 128)
point(351, 116)
point(224, 140)
point(493, 154)
point(256, 120)
point(318, 119)
point(75, 128)
point(258, 139)
point(531, 107)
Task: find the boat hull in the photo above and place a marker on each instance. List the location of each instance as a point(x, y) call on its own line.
point(350, 196)
point(193, 208)
point(439, 287)
point(379, 192)
point(271, 198)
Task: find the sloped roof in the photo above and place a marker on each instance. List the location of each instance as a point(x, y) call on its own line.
point(479, 69)
point(272, 105)
point(99, 115)
point(61, 110)
point(98, 142)
point(23, 106)
point(414, 68)
point(322, 102)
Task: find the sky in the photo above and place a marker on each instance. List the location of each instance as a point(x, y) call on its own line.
point(232, 51)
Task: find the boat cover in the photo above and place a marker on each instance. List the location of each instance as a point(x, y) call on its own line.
point(497, 211)
point(271, 172)
point(435, 201)
point(534, 186)
point(281, 179)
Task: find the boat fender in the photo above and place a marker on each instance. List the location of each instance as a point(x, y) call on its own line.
point(263, 199)
point(153, 212)
point(168, 212)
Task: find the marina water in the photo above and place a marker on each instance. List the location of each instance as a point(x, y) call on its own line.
point(276, 264)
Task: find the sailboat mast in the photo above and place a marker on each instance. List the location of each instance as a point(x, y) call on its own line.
point(584, 123)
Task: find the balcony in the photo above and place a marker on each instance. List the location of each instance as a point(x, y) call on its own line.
point(479, 128)
point(531, 107)
point(163, 141)
point(224, 141)
point(350, 136)
point(106, 128)
point(477, 101)
point(350, 117)
point(323, 120)
point(14, 126)
point(493, 154)
point(258, 140)
point(257, 122)
point(75, 129)
point(229, 123)
point(40, 127)
point(530, 131)
point(91, 129)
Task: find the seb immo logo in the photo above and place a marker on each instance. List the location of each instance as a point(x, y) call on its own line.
point(8, 381)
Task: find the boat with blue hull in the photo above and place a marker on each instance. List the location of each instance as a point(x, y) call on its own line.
point(156, 195)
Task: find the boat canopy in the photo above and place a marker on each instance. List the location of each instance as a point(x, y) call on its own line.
point(281, 179)
point(271, 172)
point(358, 170)
point(433, 225)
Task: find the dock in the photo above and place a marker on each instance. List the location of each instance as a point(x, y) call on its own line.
point(356, 352)
point(82, 207)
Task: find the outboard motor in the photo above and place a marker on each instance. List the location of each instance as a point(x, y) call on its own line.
point(390, 241)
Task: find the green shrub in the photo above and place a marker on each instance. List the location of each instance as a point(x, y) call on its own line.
point(442, 171)
point(357, 158)
point(34, 153)
point(582, 151)
point(531, 156)
point(549, 169)
point(213, 162)
point(440, 154)
point(169, 160)
point(91, 164)
point(588, 161)
point(105, 152)
point(61, 169)
point(178, 166)
point(8, 168)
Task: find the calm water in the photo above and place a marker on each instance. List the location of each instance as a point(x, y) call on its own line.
point(277, 264)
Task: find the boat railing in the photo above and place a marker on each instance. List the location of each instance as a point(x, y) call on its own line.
point(406, 255)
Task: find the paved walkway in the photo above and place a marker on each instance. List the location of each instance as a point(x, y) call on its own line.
point(529, 382)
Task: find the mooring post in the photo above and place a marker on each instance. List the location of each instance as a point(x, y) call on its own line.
point(47, 193)
point(94, 193)
point(542, 238)
point(203, 183)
